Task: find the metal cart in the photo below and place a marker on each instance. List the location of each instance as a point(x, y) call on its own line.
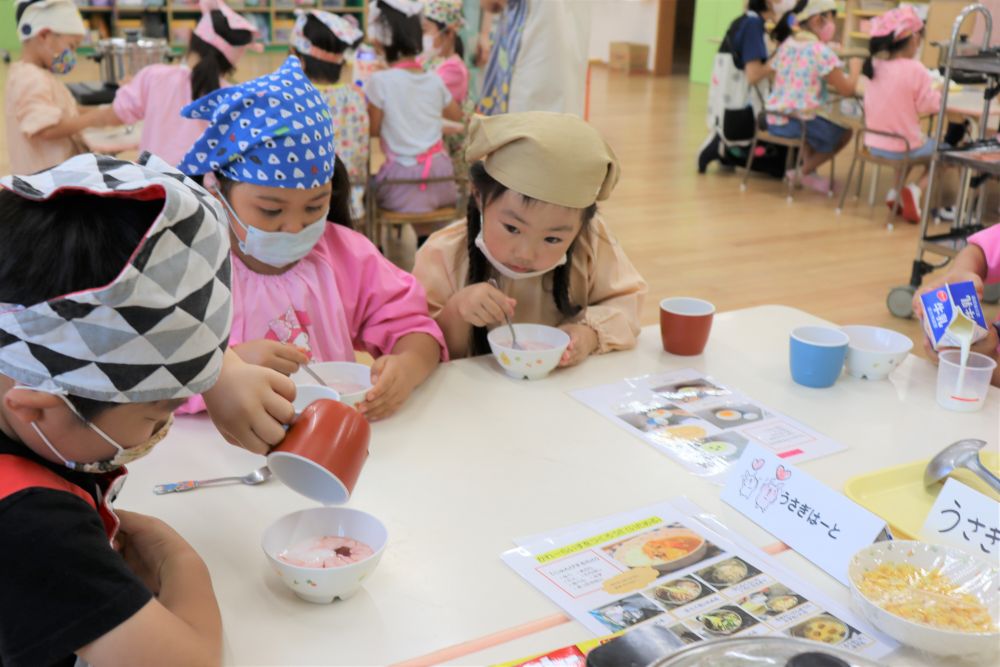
point(972, 160)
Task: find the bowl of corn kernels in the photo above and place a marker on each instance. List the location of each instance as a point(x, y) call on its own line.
point(934, 598)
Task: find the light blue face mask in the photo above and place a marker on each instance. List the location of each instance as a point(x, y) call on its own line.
point(277, 249)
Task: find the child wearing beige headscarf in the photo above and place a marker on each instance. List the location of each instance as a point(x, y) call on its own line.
point(533, 228)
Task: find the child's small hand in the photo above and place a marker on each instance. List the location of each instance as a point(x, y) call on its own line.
point(483, 305)
point(987, 346)
point(393, 383)
point(146, 543)
point(950, 278)
point(280, 357)
point(582, 343)
point(249, 404)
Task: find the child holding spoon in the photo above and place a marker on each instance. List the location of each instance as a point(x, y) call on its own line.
point(532, 225)
point(305, 289)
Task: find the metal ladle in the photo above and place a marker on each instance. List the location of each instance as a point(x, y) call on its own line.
point(961, 454)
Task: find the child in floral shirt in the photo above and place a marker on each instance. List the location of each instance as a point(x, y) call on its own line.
point(320, 39)
point(805, 66)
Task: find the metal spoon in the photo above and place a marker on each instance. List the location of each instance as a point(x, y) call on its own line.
point(314, 374)
point(258, 476)
point(961, 454)
point(513, 336)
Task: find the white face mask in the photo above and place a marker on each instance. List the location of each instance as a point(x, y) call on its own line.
point(429, 49)
point(502, 268)
point(122, 457)
point(277, 249)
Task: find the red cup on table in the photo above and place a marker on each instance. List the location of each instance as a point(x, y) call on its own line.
point(684, 324)
point(323, 453)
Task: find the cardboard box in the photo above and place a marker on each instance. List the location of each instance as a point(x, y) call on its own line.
point(952, 312)
point(629, 57)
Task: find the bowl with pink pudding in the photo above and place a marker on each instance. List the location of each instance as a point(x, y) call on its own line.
point(350, 380)
point(539, 349)
point(325, 553)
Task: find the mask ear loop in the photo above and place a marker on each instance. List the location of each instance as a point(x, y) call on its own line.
point(232, 215)
point(94, 427)
point(69, 464)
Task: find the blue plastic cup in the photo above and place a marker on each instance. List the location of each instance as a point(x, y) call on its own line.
point(816, 355)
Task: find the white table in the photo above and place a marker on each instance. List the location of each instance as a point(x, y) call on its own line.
point(475, 459)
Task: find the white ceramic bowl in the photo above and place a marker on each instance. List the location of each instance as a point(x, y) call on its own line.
point(873, 352)
point(974, 575)
point(352, 381)
point(543, 347)
point(306, 394)
point(324, 585)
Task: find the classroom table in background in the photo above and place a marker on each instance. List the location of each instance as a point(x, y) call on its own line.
point(475, 459)
point(967, 104)
point(113, 140)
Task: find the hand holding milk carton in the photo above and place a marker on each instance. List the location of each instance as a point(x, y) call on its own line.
point(953, 318)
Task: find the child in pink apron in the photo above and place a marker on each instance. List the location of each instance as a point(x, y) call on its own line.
point(406, 106)
point(305, 289)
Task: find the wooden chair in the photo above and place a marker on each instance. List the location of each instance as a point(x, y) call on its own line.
point(380, 219)
point(863, 155)
point(794, 145)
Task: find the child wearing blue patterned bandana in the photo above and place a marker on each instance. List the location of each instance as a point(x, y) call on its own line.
point(304, 289)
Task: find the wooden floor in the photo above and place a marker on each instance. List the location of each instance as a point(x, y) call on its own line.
point(699, 235)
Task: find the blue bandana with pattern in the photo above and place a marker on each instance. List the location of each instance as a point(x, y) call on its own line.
point(275, 130)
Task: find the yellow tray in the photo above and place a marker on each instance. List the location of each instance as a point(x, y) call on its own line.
point(898, 495)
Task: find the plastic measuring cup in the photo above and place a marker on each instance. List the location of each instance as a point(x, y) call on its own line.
point(974, 384)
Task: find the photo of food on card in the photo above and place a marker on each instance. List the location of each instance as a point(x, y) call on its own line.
point(728, 445)
point(686, 634)
point(690, 391)
point(733, 415)
point(665, 549)
point(727, 572)
point(824, 628)
point(658, 417)
point(679, 592)
point(726, 621)
point(626, 612)
point(771, 601)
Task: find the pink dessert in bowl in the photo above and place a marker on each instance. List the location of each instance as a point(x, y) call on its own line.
point(325, 553)
point(349, 379)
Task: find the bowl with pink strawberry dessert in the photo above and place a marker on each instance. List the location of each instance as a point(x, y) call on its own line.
point(533, 355)
point(325, 553)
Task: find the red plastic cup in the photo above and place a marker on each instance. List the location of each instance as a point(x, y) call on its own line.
point(323, 453)
point(684, 324)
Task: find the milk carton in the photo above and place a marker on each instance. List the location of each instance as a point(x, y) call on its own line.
point(953, 316)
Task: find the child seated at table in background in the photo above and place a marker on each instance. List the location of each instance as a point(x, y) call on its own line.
point(532, 223)
point(406, 106)
point(899, 91)
point(305, 290)
point(978, 262)
point(443, 51)
point(43, 120)
point(804, 68)
point(157, 93)
point(320, 39)
point(112, 312)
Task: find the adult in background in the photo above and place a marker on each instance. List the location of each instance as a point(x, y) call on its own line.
point(539, 58)
point(741, 66)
